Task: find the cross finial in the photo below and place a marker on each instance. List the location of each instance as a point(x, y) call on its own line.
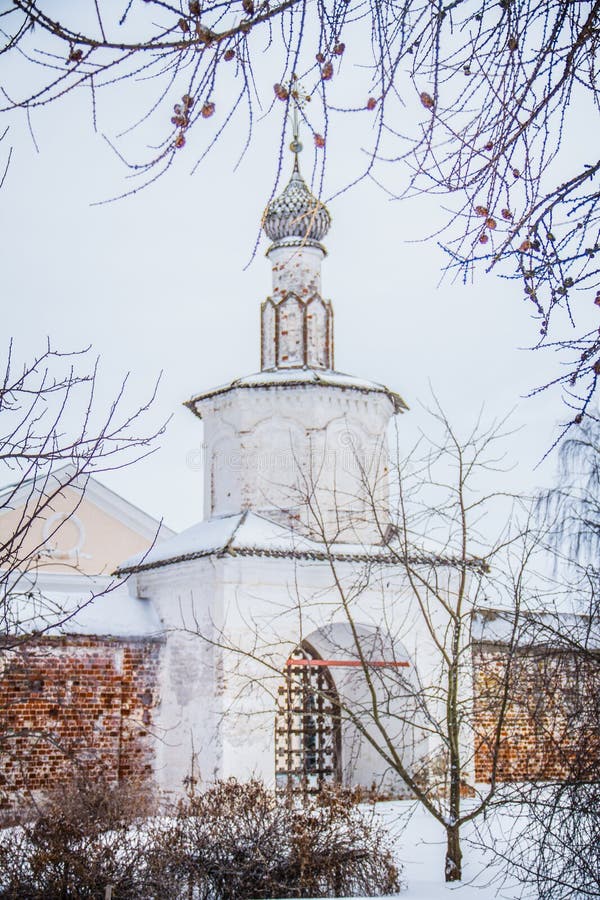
point(296, 145)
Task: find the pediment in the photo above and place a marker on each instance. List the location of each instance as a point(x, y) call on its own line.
point(75, 525)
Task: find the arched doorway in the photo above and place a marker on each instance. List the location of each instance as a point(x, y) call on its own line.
point(307, 727)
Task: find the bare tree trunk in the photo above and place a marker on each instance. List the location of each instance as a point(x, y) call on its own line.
point(453, 868)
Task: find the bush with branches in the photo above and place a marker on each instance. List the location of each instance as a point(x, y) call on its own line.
point(81, 839)
point(232, 842)
point(240, 840)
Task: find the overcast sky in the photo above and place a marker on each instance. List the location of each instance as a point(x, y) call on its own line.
point(160, 282)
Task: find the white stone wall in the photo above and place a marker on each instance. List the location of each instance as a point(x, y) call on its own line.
point(274, 604)
point(296, 323)
point(187, 722)
point(268, 448)
point(296, 270)
point(219, 686)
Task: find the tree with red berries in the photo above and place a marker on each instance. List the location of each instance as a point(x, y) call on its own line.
point(475, 100)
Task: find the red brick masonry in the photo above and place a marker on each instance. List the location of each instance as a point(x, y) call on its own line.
point(550, 724)
point(83, 701)
point(87, 702)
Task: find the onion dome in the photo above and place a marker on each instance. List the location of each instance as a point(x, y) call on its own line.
point(296, 213)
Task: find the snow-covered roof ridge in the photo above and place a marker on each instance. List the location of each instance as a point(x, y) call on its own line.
point(95, 491)
point(202, 539)
point(252, 534)
point(300, 377)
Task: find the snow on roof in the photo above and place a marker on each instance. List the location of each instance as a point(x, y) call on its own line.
point(202, 539)
point(251, 534)
point(57, 604)
point(298, 378)
point(109, 501)
point(245, 534)
point(534, 627)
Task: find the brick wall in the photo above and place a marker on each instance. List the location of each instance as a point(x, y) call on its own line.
point(75, 702)
point(87, 703)
point(550, 723)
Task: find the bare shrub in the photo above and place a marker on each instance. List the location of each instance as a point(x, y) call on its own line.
point(91, 804)
point(241, 841)
point(82, 839)
point(61, 864)
point(233, 841)
point(563, 860)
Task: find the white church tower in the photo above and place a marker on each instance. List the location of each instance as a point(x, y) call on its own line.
point(268, 614)
point(297, 427)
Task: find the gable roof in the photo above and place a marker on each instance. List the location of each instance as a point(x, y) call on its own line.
point(97, 493)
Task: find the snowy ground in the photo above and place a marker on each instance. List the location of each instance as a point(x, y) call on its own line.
point(420, 847)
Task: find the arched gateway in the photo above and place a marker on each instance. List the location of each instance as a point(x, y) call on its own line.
point(307, 727)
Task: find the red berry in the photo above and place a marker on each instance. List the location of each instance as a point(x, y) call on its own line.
point(327, 71)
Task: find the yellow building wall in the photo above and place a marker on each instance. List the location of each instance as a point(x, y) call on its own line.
point(74, 536)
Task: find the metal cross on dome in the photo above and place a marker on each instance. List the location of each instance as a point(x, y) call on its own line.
point(298, 99)
point(296, 143)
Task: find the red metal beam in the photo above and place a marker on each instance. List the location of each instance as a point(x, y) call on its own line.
point(345, 662)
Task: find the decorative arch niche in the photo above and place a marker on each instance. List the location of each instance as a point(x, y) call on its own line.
point(318, 333)
point(296, 331)
point(290, 331)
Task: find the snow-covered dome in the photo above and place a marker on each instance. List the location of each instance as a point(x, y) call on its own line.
point(296, 213)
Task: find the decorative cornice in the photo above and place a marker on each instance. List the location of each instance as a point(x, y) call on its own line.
point(294, 383)
point(296, 242)
point(386, 559)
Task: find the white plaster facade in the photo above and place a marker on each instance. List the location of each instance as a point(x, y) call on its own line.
point(288, 531)
point(269, 444)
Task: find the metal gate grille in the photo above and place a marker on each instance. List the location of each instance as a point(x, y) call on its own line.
point(307, 729)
